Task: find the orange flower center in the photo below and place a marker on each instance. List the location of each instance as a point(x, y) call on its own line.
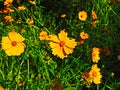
point(94, 73)
point(14, 43)
point(62, 43)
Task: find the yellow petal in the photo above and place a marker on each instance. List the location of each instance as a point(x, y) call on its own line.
point(70, 43)
point(15, 37)
point(6, 46)
point(6, 40)
point(68, 50)
point(61, 53)
point(54, 38)
point(54, 44)
point(62, 36)
point(56, 50)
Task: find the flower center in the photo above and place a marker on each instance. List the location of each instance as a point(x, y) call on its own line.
point(14, 43)
point(62, 43)
point(94, 73)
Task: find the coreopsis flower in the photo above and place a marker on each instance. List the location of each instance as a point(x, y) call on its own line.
point(62, 45)
point(8, 2)
point(1, 88)
point(63, 15)
point(87, 78)
point(30, 21)
point(8, 19)
point(82, 15)
point(95, 74)
point(84, 35)
point(7, 10)
point(13, 44)
point(32, 2)
point(43, 35)
point(95, 55)
point(93, 24)
point(106, 51)
point(21, 8)
point(94, 15)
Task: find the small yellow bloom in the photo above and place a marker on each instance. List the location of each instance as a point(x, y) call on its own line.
point(43, 35)
point(95, 54)
point(84, 35)
point(13, 44)
point(95, 74)
point(7, 10)
point(63, 15)
point(32, 2)
point(82, 15)
point(8, 19)
point(21, 8)
point(62, 45)
point(30, 21)
point(8, 2)
point(94, 15)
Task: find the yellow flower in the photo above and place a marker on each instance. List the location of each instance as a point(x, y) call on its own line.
point(62, 45)
point(21, 8)
point(32, 2)
point(30, 21)
point(95, 74)
point(94, 15)
point(63, 15)
point(13, 44)
point(8, 2)
point(82, 15)
point(7, 10)
point(8, 19)
point(83, 35)
point(43, 35)
point(95, 54)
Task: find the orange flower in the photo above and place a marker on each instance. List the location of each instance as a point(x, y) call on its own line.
point(62, 45)
point(95, 74)
point(30, 21)
point(8, 2)
point(13, 44)
point(83, 35)
point(32, 2)
point(43, 35)
point(93, 24)
point(21, 8)
point(94, 15)
point(1, 88)
point(81, 41)
point(63, 15)
point(119, 57)
point(8, 19)
point(7, 10)
point(82, 15)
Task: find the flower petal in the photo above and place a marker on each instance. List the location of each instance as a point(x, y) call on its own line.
point(54, 38)
point(62, 36)
point(54, 45)
point(6, 40)
point(70, 43)
point(68, 50)
point(15, 37)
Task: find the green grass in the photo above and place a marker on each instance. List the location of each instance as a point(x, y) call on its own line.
point(35, 71)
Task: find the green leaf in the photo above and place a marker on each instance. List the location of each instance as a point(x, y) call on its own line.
point(70, 88)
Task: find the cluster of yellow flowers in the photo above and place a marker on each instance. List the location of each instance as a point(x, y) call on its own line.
point(93, 75)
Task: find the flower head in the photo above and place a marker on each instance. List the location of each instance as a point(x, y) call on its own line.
point(83, 35)
point(95, 54)
point(7, 10)
point(8, 2)
point(95, 74)
point(32, 2)
point(93, 24)
point(62, 45)
point(30, 21)
point(21, 8)
point(43, 35)
point(82, 15)
point(8, 19)
point(94, 15)
point(13, 44)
